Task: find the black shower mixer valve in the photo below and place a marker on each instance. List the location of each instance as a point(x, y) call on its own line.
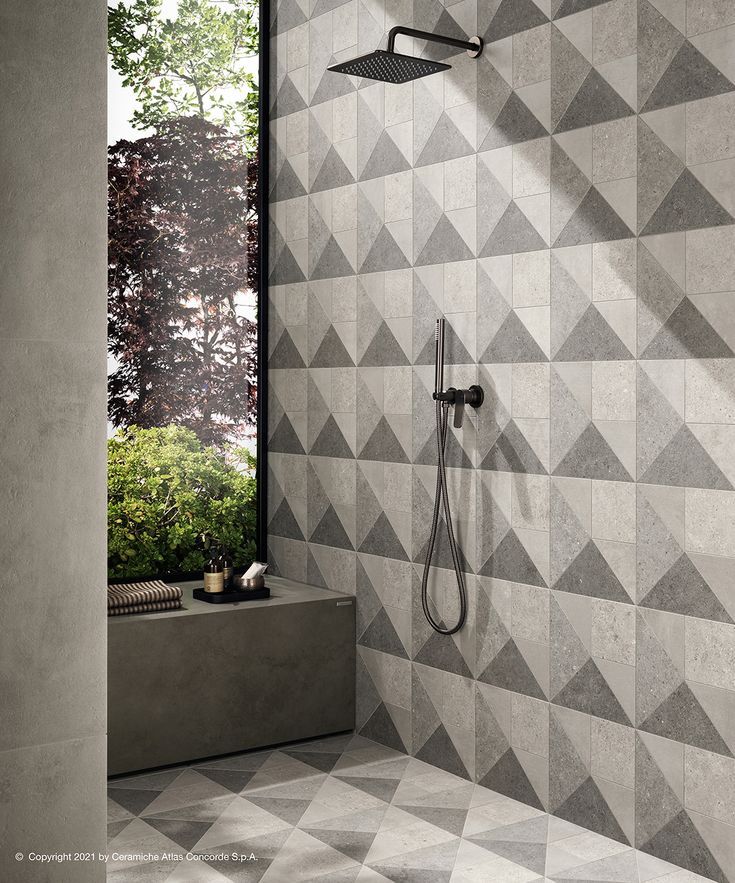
point(474, 396)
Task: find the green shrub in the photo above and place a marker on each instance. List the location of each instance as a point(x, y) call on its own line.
point(168, 494)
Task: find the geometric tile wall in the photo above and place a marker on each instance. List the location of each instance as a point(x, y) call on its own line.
point(567, 201)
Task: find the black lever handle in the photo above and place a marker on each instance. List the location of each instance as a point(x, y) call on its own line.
point(459, 400)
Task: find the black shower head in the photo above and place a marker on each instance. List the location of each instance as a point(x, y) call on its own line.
point(392, 67)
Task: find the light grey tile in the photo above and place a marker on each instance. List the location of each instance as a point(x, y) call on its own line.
point(710, 391)
point(612, 752)
point(613, 631)
point(530, 724)
point(710, 652)
point(710, 521)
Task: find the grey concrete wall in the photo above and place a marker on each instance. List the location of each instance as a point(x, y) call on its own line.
point(52, 435)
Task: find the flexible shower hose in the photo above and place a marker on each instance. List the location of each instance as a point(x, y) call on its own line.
point(441, 497)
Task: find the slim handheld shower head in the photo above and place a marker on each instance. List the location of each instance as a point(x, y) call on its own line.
point(390, 66)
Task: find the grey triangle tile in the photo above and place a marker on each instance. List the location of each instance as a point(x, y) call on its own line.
point(233, 780)
point(592, 339)
point(595, 102)
point(284, 524)
point(331, 352)
point(384, 254)
point(332, 263)
point(441, 652)
point(288, 100)
point(447, 818)
point(527, 855)
point(513, 233)
point(510, 561)
point(455, 352)
point(285, 269)
point(287, 184)
point(320, 760)
point(659, 41)
point(322, 6)
point(587, 807)
point(512, 17)
point(594, 220)
point(382, 540)
point(331, 442)
point(687, 206)
point(454, 455)
point(386, 159)
point(590, 574)
point(622, 867)
point(288, 15)
point(512, 453)
point(383, 445)
point(680, 843)
point(589, 692)
point(533, 830)
point(515, 123)
point(380, 728)
point(186, 833)
point(114, 828)
point(439, 751)
point(389, 870)
point(686, 334)
point(132, 799)
point(682, 718)
point(288, 809)
point(442, 556)
point(510, 671)
point(689, 77)
point(508, 777)
point(685, 463)
point(383, 349)
point(562, 8)
point(333, 173)
point(445, 142)
point(444, 245)
point(446, 24)
point(381, 635)
point(592, 457)
point(354, 844)
point(285, 354)
point(330, 531)
point(683, 589)
point(284, 439)
point(331, 86)
point(376, 786)
point(513, 343)
point(314, 576)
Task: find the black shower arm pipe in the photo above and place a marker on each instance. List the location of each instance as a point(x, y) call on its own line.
point(426, 35)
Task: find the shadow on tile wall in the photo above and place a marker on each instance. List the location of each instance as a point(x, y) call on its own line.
point(567, 203)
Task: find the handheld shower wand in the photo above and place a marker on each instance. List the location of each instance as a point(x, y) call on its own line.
point(444, 398)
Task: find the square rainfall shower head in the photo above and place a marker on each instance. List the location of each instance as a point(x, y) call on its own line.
point(390, 67)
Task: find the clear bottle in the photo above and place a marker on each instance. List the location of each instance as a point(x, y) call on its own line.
point(213, 575)
point(227, 569)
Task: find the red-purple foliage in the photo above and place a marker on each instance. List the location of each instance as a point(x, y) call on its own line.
point(182, 251)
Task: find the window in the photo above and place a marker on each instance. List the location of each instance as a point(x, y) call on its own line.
point(183, 313)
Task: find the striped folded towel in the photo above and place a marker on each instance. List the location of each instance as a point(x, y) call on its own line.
point(142, 597)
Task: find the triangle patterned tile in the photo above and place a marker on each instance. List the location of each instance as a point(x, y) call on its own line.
point(380, 728)
point(332, 262)
point(681, 717)
point(689, 77)
point(511, 452)
point(592, 457)
point(686, 334)
point(285, 354)
point(383, 349)
point(454, 455)
point(385, 159)
point(354, 844)
point(331, 352)
point(384, 254)
point(285, 269)
point(445, 244)
point(683, 589)
point(333, 173)
point(439, 751)
point(594, 220)
point(288, 15)
point(331, 442)
point(185, 833)
point(513, 342)
point(514, 233)
point(590, 574)
point(510, 671)
point(439, 651)
point(287, 184)
point(595, 102)
point(685, 463)
point(447, 818)
point(382, 540)
point(588, 691)
point(512, 17)
point(284, 523)
point(508, 777)
point(381, 635)
point(330, 531)
point(288, 100)
point(381, 788)
point(515, 123)
point(687, 206)
point(588, 808)
point(445, 142)
point(383, 445)
point(561, 8)
point(510, 561)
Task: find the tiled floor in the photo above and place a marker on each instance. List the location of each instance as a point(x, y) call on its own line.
point(346, 810)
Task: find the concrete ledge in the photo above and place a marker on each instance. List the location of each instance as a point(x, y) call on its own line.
point(215, 679)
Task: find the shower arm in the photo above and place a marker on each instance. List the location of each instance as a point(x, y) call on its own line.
point(473, 48)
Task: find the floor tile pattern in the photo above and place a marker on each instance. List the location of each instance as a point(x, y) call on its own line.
point(347, 810)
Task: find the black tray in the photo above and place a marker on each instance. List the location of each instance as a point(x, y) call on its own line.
point(231, 597)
